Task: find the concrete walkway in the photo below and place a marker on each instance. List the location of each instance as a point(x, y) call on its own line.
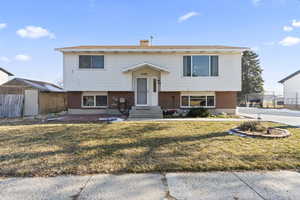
point(278, 185)
point(193, 119)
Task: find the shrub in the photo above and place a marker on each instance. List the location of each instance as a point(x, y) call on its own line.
point(198, 112)
point(252, 126)
point(169, 112)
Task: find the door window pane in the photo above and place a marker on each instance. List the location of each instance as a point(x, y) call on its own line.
point(214, 66)
point(101, 100)
point(154, 85)
point(84, 61)
point(142, 91)
point(187, 65)
point(88, 101)
point(210, 101)
point(200, 65)
point(97, 62)
point(184, 101)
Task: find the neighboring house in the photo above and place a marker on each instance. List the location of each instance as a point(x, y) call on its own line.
point(100, 79)
point(4, 75)
point(39, 97)
point(291, 90)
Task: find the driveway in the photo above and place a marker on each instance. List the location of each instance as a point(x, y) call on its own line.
point(278, 185)
point(285, 116)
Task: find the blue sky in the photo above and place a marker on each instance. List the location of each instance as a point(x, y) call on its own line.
point(31, 29)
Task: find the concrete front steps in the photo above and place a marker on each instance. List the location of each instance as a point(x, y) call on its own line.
point(151, 112)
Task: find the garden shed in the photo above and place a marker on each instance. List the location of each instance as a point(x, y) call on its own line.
point(23, 97)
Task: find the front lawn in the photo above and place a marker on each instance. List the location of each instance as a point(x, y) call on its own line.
point(55, 149)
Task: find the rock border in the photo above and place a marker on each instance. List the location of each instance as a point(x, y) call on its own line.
point(285, 133)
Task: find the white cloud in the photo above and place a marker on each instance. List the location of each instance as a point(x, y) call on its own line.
point(34, 32)
point(22, 57)
point(4, 59)
point(256, 2)
point(289, 41)
point(288, 28)
point(3, 25)
point(187, 16)
point(296, 23)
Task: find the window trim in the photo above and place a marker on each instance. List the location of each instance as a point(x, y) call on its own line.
point(94, 95)
point(88, 69)
point(209, 67)
point(194, 95)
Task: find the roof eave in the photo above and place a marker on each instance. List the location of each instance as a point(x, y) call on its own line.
point(150, 50)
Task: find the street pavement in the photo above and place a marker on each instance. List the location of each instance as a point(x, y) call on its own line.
point(275, 185)
point(285, 116)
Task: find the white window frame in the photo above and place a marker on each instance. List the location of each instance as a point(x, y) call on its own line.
point(209, 65)
point(88, 69)
point(94, 95)
point(194, 95)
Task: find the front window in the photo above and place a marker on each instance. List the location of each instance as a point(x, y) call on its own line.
point(196, 66)
point(86, 62)
point(198, 101)
point(94, 101)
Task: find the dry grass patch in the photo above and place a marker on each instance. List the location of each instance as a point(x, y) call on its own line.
point(55, 149)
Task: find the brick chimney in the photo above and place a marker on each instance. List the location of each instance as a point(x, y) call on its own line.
point(144, 43)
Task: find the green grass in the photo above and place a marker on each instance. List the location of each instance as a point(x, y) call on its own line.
point(56, 149)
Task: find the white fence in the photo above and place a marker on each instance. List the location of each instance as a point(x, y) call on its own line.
point(11, 105)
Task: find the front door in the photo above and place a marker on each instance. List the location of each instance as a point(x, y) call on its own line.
point(146, 91)
point(141, 91)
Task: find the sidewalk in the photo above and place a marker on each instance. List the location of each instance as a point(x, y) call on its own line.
point(277, 185)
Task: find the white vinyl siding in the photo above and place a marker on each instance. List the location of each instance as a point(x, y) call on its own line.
point(112, 78)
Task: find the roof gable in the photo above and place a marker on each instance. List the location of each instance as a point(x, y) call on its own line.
point(289, 76)
point(8, 73)
point(145, 64)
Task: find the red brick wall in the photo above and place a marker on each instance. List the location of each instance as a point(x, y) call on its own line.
point(169, 100)
point(113, 98)
point(226, 100)
point(74, 99)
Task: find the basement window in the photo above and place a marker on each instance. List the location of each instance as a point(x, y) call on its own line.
point(94, 101)
point(198, 101)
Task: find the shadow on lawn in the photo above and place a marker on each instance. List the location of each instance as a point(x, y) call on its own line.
point(136, 144)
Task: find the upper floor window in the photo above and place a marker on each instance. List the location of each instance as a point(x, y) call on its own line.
point(86, 62)
point(200, 66)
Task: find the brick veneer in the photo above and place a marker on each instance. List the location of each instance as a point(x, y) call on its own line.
point(114, 96)
point(169, 100)
point(226, 100)
point(74, 99)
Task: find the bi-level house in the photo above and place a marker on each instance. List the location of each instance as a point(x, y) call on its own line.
point(102, 79)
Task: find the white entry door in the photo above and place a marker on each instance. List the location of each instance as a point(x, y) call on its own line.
point(146, 91)
point(31, 106)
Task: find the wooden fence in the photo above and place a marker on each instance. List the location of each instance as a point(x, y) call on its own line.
point(11, 105)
